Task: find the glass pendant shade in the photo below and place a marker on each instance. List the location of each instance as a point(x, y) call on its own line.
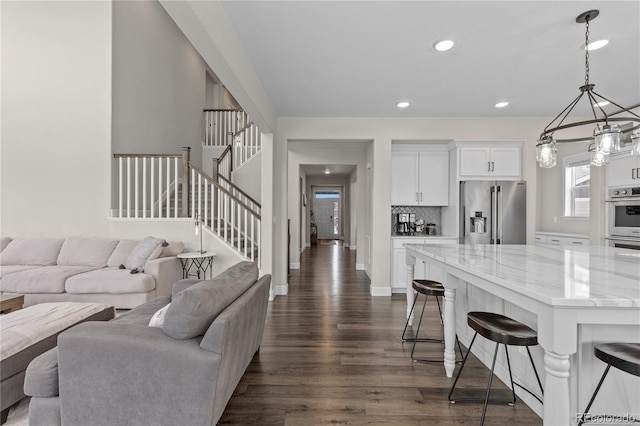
point(546, 152)
point(635, 143)
point(608, 138)
point(598, 158)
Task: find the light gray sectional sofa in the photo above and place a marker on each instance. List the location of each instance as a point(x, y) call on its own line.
point(126, 372)
point(79, 269)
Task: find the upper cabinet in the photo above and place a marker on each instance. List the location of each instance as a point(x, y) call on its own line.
point(419, 178)
point(490, 162)
point(623, 170)
point(489, 159)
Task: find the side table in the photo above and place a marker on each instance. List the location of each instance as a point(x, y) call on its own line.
point(10, 302)
point(201, 262)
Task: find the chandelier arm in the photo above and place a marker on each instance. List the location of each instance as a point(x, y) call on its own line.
point(622, 109)
point(586, 122)
point(568, 109)
point(593, 102)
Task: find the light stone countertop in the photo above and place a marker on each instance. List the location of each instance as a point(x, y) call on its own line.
point(434, 237)
point(554, 275)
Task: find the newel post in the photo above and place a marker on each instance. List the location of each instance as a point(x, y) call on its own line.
point(214, 170)
point(186, 180)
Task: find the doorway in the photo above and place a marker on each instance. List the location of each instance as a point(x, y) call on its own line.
point(327, 206)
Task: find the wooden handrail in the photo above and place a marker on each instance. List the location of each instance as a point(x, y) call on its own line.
point(214, 183)
point(240, 190)
point(222, 110)
point(147, 155)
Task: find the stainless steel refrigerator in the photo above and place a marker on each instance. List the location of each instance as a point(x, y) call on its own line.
point(493, 212)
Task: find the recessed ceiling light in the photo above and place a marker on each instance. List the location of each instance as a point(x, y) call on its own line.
point(402, 104)
point(443, 45)
point(601, 104)
point(501, 104)
point(598, 44)
point(326, 172)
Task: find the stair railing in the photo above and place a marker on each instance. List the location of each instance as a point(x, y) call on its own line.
point(231, 219)
point(228, 127)
point(239, 194)
point(167, 186)
point(220, 122)
point(149, 185)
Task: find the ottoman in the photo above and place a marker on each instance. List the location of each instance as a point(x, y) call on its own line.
point(31, 331)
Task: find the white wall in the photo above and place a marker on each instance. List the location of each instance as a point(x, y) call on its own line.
point(159, 83)
point(56, 118)
point(307, 152)
point(247, 177)
point(376, 193)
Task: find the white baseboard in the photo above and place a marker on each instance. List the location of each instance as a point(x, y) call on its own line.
point(380, 291)
point(360, 267)
point(294, 265)
point(399, 289)
point(282, 290)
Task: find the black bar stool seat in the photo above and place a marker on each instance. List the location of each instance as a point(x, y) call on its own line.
point(502, 330)
point(428, 288)
point(623, 356)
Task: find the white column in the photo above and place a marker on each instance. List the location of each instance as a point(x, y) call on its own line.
point(411, 264)
point(556, 389)
point(449, 329)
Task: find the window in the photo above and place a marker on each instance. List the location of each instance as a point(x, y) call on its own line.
point(577, 185)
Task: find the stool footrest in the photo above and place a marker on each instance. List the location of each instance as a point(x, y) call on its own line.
point(504, 396)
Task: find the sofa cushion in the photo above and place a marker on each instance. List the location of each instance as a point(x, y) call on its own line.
point(37, 251)
point(4, 241)
point(80, 251)
point(110, 280)
point(47, 279)
point(121, 252)
point(183, 284)
point(10, 269)
point(41, 379)
point(194, 309)
point(142, 314)
point(173, 248)
point(147, 249)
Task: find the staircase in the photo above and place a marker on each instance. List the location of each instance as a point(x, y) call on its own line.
point(163, 186)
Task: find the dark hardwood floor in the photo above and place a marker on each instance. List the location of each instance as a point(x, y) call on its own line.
point(332, 354)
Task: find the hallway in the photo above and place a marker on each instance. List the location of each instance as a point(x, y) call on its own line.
point(332, 354)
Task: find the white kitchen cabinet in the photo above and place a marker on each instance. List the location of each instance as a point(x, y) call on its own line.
point(560, 239)
point(623, 170)
point(420, 178)
point(422, 270)
point(490, 162)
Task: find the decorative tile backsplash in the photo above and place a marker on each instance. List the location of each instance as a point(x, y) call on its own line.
point(427, 214)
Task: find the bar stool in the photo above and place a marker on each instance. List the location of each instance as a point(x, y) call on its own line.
point(623, 356)
point(500, 329)
point(428, 288)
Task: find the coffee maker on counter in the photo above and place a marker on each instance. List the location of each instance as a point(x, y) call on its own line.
point(405, 223)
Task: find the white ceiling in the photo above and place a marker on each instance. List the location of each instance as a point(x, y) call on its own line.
point(358, 58)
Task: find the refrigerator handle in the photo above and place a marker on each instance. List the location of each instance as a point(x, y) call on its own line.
point(493, 212)
point(499, 214)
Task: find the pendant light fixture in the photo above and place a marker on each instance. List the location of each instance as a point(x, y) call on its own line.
point(607, 134)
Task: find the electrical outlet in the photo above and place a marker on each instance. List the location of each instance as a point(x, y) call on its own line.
point(555, 219)
point(523, 351)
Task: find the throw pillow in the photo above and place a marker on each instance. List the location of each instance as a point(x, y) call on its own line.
point(146, 250)
point(193, 309)
point(157, 320)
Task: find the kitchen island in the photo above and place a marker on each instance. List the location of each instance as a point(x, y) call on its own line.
point(573, 296)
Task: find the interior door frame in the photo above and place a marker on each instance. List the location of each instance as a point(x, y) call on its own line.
point(340, 190)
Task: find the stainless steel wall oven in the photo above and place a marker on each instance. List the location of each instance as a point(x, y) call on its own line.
point(623, 217)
